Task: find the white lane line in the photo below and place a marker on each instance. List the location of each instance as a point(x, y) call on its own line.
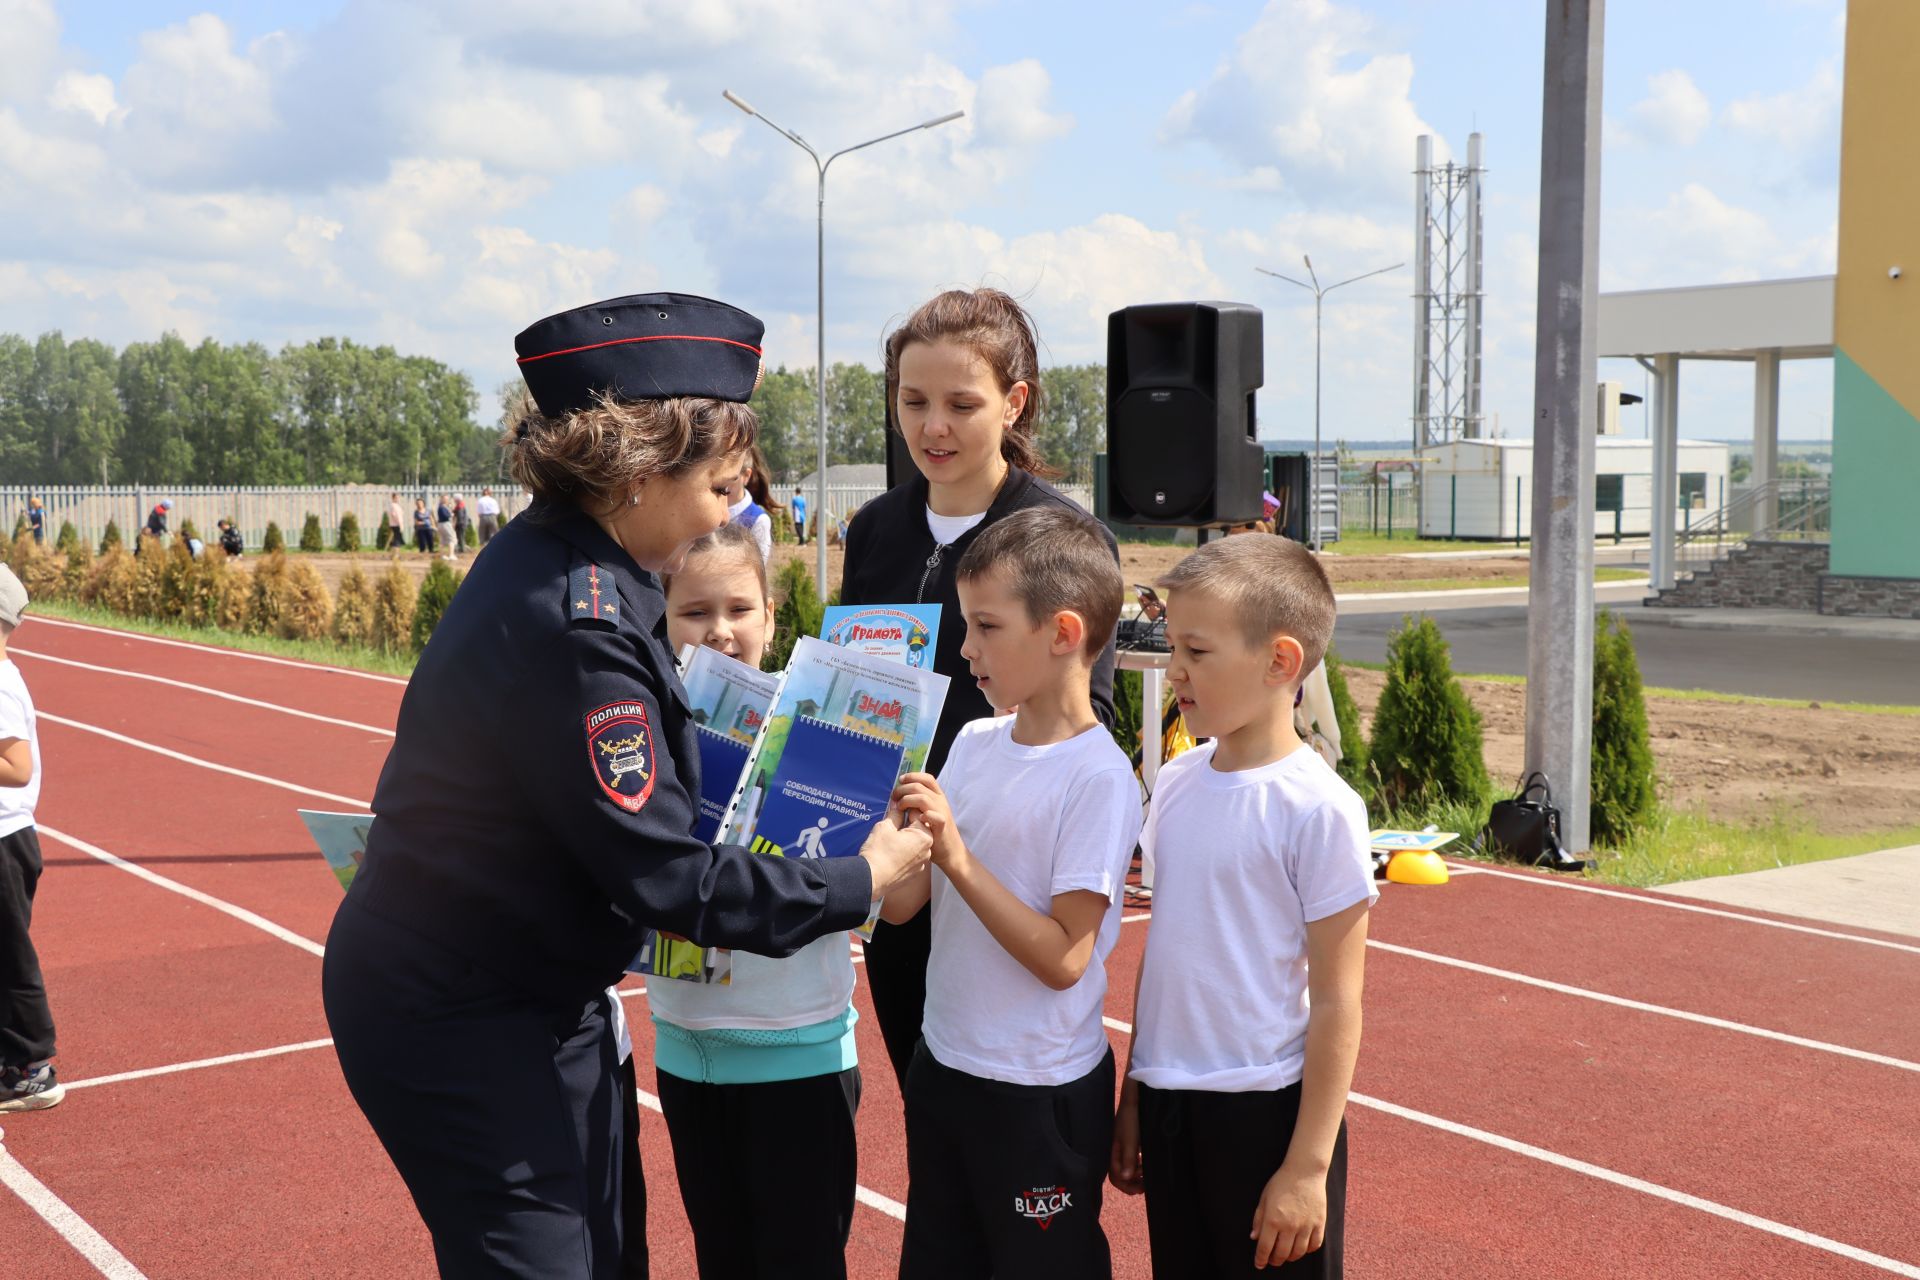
point(87, 1242)
point(1722, 1024)
point(41, 620)
point(1649, 900)
point(204, 764)
point(1463, 593)
point(199, 1064)
point(187, 891)
point(1654, 1189)
point(200, 688)
point(1626, 1180)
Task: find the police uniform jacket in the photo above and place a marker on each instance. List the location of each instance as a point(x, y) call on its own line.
point(535, 812)
point(892, 558)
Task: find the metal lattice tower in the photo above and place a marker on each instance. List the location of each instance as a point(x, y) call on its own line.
point(1446, 296)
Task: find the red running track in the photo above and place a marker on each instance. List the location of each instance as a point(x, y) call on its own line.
point(1500, 1127)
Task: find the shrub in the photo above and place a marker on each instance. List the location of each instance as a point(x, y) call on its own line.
point(19, 551)
point(21, 526)
point(76, 572)
point(798, 613)
point(1622, 783)
point(68, 540)
point(393, 597)
point(187, 530)
point(150, 574)
point(308, 611)
point(41, 574)
point(384, 534)
point(179, 576)
point(271, 595)
point(1353, 739)
point(349, 539)
point(1128, 714)
point(472, 536)
point(353, 608)
point(111, 585)
point(207, 588)
point(233, 599)
point(111, 538)
point(274, 542)
point(1426, 735)
point(310, 536)
point(436, 593)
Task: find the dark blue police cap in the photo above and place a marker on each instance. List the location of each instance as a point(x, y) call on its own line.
point(649, 346)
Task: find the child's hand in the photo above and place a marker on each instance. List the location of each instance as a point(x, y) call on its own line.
point(920, 795)
point(1290, 1221)
point(1123, 1166)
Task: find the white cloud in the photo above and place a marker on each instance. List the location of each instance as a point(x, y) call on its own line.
point(1698, 237)
point(1308, 91)
point(194, 105)
point(89, 95)
point(1674, 113)
point(29, 48)
point(1802, 124)
point(1010, 106)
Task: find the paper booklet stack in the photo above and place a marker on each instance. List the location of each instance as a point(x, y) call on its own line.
point(801, 764)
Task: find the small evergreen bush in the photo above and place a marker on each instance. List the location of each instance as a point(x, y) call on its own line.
point(353, 609)
point(179, 577)
point(271, 596)
point(436, 593)
point(472, 538)
point(41, 574)
point(349, 538)
point(797, 614)
point(111, 538)
point(149, 578)
point(111, 585)
point(68, 539)
point(21, 526)
point(19, 551)
point(1623, 788)
point(1426, 735)
point(311, 538)
point(1353, 739)
point(308, 610)
point(76, 573)
point(393, 597)
point(274, 542)
point(1128, 714)
point(234, 603)
point(202, 608)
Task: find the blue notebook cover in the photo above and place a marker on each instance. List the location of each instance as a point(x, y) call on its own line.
point(831, 787)
point(903, 632)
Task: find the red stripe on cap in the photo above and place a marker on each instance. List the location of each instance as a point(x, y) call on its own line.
point(614, 342)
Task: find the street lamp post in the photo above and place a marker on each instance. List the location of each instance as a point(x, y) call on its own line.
point(1318, 293)
point(820, 259)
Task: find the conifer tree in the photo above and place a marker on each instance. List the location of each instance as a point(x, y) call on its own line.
point(1426, 735)
point(1623, 788)
point(436, 593)
point(311, 538)
point(349, 539)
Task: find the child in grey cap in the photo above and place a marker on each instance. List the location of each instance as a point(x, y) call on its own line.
point(27, 1081)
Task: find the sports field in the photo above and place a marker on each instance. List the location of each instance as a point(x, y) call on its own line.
point(1557, 1080)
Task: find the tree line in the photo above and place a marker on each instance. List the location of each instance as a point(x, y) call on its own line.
point(331, 411)
point(328, 411)
point(1070, 429)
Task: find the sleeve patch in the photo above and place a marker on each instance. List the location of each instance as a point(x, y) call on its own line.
point(620, 748)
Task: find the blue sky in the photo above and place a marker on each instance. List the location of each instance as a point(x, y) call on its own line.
point(437, 174)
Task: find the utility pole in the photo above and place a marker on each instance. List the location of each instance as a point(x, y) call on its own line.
point(1560, 586)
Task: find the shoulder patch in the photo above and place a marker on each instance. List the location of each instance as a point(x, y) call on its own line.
point(620, 749)
point(591, 595)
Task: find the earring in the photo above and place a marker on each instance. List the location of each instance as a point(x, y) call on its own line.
point(633, 499)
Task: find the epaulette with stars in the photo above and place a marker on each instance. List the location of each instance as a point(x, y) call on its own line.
point(591, 595)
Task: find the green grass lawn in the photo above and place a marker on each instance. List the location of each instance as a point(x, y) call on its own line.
point(1404, 543)
point(321, 651)
point(1608, 574)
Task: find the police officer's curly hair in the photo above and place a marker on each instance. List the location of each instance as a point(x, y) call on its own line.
point(594, 457)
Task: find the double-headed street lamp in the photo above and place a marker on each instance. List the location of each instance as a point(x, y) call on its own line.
point(1318, 291)
point(820, 515)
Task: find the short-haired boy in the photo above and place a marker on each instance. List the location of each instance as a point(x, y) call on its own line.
point(1034, 819)
point(1247, 1015)
point(27, 1081)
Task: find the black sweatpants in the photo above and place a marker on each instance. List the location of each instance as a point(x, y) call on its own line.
point(1004, 1180)
point(26, 1024)
point(1207, 1159)
point(897, 977)
point(501, 1111)
point(767, 1173)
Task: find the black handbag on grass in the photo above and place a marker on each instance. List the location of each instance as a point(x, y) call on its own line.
point(1527, 829)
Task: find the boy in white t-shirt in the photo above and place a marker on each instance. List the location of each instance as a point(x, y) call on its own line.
point(1247, 1014)
point(27, 1081)
point(1034, 819)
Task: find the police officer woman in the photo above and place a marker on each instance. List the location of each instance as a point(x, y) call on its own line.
point(510, 871)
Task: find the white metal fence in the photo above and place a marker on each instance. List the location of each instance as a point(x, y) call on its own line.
point(89, 507)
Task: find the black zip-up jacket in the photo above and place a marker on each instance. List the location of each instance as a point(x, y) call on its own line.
point(892, 558)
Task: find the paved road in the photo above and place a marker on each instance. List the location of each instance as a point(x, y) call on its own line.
point(1779, 664)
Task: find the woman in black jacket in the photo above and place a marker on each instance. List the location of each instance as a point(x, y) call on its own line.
point(963, 377)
